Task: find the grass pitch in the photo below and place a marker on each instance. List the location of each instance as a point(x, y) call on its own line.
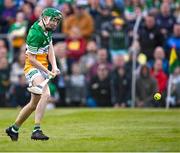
point(97, 130)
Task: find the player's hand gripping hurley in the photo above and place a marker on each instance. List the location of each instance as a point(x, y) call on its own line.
point(38, 89)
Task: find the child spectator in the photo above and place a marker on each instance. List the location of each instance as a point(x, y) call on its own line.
point(75, 87)
point(89, 58)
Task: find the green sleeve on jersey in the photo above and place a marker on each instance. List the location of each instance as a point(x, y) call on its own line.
point(34, 41)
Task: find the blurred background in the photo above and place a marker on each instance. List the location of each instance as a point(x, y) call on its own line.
point(112, 53)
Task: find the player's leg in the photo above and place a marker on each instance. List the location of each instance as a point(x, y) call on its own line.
point(39, 113)
point(25, 112)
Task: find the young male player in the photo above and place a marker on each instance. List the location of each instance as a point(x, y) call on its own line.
point(39, 50)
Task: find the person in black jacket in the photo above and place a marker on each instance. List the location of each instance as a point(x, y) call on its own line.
point(121, 87)
point(100, 87)
point(149, 37)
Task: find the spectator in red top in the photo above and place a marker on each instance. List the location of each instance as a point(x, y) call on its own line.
point(159, 75)
point(76, 46)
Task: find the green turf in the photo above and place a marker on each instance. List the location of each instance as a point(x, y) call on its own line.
point(98, 130)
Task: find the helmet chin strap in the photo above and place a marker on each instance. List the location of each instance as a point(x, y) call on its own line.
point(46, 28)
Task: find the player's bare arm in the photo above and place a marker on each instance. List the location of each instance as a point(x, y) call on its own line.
point(52, 60)
point(37, 64)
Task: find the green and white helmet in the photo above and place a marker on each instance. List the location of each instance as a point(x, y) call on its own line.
point(52, 13)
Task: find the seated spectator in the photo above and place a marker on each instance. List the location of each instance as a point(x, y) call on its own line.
point(160, 76)
point(17, 30)
point(36, 14)
point(159, 54)
point(133, 8)
point(108, 3)
point(89, 58)
point(93, 8)
point(8, 14)
point(27, 8)
point(121, 87)
point(4, 81)
point(165, 20)
point(119, 61)
point(177, 13)
point(60, 52)
point(129, 64)
point(67, 9)
point(103, 17)
point(146, 86)
point(117, 38)
point(47, 3)
point(17, 68)
point(80, 19)
point(149, 37)
point(100, 88)
point(76, 44)
point(19, 96)
point(75, 87)
point(102, 58)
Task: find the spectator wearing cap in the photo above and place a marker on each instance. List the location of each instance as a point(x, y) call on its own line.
point(117, 37)
point(81, 20)
point(103, 17)
point(165, 20)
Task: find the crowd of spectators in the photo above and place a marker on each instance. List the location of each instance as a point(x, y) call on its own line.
point(95, 53)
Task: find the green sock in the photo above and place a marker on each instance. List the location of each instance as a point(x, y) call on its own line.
point(36, 127)
point(15, 128)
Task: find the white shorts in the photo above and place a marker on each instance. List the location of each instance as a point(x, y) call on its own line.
point(34, 73)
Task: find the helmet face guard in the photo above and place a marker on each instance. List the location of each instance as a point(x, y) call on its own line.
point(54, 16)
